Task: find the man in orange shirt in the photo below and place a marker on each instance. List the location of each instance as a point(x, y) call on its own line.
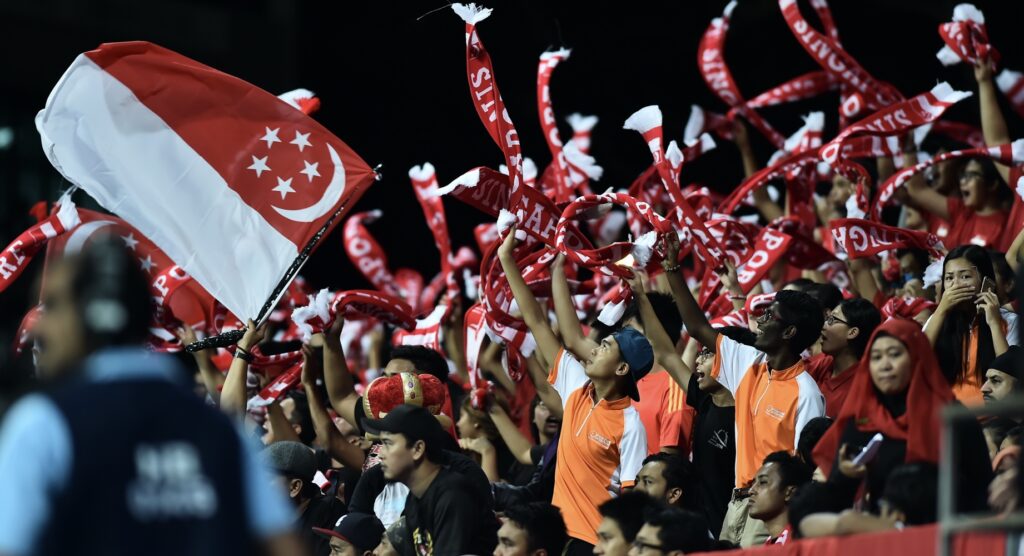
point(775, 396)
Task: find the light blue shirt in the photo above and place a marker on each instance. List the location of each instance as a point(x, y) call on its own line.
point(36, 457)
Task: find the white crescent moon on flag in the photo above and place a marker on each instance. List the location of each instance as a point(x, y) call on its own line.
point(82, 234)
point(327, 201)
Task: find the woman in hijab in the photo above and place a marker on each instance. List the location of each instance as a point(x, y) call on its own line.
point(899, 391)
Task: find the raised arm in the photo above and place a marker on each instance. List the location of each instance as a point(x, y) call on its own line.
point(1015, 254)
point(917, 191)
point(993, 125)
point(516, 442)
point(330, 437)
point(232, 397)
point(664, 349)
point(547, 392)
point(862, 274)
point(212, 378)
point(769, 209)
point(279, 427)
point(568, 322)
point(533, 314)
point(337, 378)
point(696, 321)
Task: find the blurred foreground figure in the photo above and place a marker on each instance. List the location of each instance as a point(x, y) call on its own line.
point(116, 455)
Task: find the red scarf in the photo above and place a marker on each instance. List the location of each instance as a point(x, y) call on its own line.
point(1011, 155)
point(1011, 83)
point(771, 245)
point(927, 395)
point(712, 66)
point(424, 183)
point(561, 186)
point(704, 121)
point(906, 307)
point(864, 238)
point(324, 307)
point(788, 163)
point(966, 38)
point(808, 85)
point(364, 252)
point(16, 256)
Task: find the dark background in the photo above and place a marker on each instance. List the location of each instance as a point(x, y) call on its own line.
point(393, 86)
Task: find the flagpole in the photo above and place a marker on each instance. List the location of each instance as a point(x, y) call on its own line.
point(232, 337)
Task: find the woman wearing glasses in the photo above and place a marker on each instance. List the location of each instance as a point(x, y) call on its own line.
point(969, 329)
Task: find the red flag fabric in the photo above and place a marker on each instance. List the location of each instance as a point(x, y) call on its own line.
point(1011, 83)
point(966, 38)
point(224, 177)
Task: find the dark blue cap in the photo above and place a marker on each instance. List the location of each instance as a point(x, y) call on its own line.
point(637, 353)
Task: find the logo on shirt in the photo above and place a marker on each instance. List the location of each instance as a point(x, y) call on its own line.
point(423, 541)
point(720, 439)
point(604, 442)
point(775, 412)
point(169, 484)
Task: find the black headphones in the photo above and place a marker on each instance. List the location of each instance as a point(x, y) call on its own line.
point(107, 288)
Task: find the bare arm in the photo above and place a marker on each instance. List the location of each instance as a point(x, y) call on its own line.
point(212, 378)
point(696, 321)
point(490, 361)
point(280, 428)
point(547, 392)
point(534, 315)
point(330, 437)
point(664, 349)
point(993, 125)
point(919, 194)
point(568, 322)
point(232, 397)
point(337, 378)
point(951, 297)
point(863, 278)
point(516, 442)
point(768, 208)
point(1015, 254)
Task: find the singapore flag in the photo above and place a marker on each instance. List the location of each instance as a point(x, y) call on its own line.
point(225, 178)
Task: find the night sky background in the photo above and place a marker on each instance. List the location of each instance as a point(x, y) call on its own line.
point(392, 82)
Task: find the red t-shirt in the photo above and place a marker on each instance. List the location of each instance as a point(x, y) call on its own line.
point(971, 227)
point(834, 388)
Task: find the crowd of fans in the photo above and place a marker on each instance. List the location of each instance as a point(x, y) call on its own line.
point(666, 433)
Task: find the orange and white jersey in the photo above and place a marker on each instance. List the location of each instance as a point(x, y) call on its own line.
point(600, 450)
point(772, 406)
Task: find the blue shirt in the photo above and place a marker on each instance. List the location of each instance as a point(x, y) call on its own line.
point(36, 457)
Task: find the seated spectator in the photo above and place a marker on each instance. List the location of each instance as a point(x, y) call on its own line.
point(444, 513)
point(394, 541)
point(353, 535)
point(996, 432)
point(621, 520)
point(535, 529)
point(1001, 377)
point(540, 457)
point(813, 432)
point(665, 477)
point(898, 391)
point(672, 532)
point(295, 465)
point(773, 488)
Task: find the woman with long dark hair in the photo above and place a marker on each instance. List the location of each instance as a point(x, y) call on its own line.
point(968, 329)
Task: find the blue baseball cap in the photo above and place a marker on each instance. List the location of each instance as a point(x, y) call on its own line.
point(637, 353)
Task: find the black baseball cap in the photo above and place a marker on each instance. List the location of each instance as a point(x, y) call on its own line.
point(413, 421)
point(363, 531)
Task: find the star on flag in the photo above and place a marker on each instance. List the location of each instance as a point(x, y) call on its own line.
point(259, 165)
point(147, 263)
point(271, 136)
point(130, 241)
point(284, 187)
point(301, 140)
point(310, 170)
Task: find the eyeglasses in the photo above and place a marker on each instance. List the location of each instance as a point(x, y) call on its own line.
point(832, 319)
point(768, 315)
point(642, 547)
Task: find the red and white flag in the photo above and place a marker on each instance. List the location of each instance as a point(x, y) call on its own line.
point(227, 179)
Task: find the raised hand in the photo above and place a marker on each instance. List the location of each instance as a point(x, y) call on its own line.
point(253, 335)
point(509, 244)
point(846, 465)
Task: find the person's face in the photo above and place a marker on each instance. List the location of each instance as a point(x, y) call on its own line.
point(915, 220)
point(890, 365)
point(605, 360)
point(651, 479)
point(960, 272)
point(396, 366)
point(767, 496)
point(998, 385)
point(291, 487)
point(841, 190)
point(59, 329)
point(342, 548)
point(836, 333)
point(512, 540)
point(467, 426)
point(397, 456)
point(385, 548)
point(706, 382)
point(610, 541)
point(771, 331)
point(646, 542)
point(544, 421)
point(973, 187)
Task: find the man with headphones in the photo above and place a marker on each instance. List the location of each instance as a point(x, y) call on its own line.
point(115, 454)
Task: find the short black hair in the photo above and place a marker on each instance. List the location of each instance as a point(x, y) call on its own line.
point(920, 257)
point(809, 437)
point(805, 313)
point(628, 512)
point(863, 314)
point(812, 498)
point(739, 334)
point(302, 417)
point(912, 488)
point(678, 472)
point(544, 526)
point(792, 470)
point(668, 314)
point(424, 359)
point(111, 294)
point(1000, 265)
point(799, 284)
point(680, 529)
point(827, 295)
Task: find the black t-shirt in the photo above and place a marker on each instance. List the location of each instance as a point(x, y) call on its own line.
point(323, 512)
point(714, 454)
point(450, 518)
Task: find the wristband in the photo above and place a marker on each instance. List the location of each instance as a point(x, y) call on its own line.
point(738, 297)
point(243, 355)
point(671, 268)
